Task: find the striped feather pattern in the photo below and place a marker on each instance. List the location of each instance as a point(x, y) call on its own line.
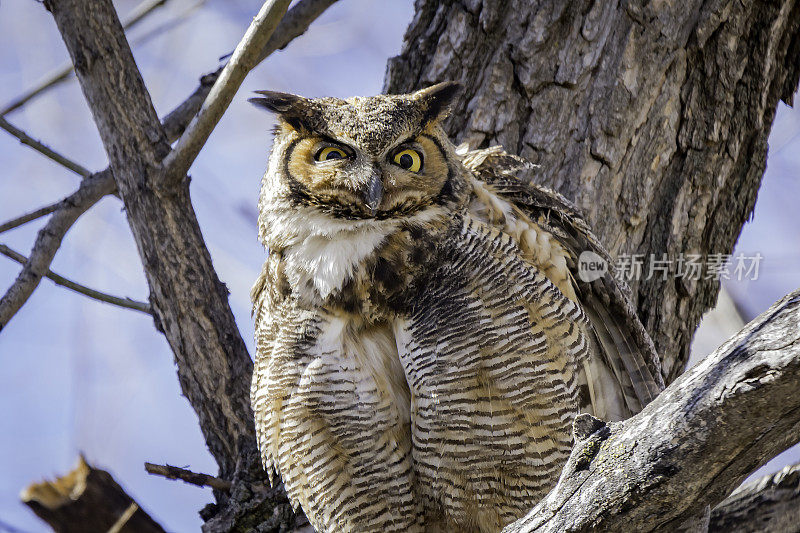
point(491, 350)
point(332, 429)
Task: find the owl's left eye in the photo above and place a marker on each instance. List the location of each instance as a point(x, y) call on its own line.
point(329, 153)
point(408, 159)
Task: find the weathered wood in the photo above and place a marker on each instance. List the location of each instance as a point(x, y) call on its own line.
point(189, 302)
point(87, 500)
point(692, 445)
point(652, 116)
point(767, 505)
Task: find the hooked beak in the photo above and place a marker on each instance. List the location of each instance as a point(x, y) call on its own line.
point(374, 192)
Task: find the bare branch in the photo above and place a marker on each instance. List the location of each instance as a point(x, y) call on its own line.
point(244, 58)
point(771, 503)
point(87, 500)
point(49, 239)
point(28, 217)
point(127, 303)
point(174, 472)
point(24, 138)
point(63, 72)
point(692, 445)
point(295, 23)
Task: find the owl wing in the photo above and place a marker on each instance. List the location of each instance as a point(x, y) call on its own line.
point(337, 439)
point(624, 346)
point(491, 350)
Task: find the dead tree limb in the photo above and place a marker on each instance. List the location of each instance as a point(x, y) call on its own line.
point(769, 504)
point(87, 500)
point(692, 445)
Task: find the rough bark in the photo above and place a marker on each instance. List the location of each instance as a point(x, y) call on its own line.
point(662, 143)
point(87, 500)
point(189, 302)
point(692, 445)
point(770, 504)
point(652, 116)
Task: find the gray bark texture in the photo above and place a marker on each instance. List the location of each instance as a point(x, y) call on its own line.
point(652, 117)
point(770, 504)
point(689, 448)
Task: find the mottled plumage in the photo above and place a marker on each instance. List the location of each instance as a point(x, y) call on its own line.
point(423, 341)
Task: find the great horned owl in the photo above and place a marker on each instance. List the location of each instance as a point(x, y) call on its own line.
point(423, 341)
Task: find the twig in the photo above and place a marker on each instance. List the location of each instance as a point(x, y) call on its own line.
point(168, 25)
point(294, 24)
point(28, 217)
point(124, 518)
point(174, 472)
point(63, 72)
point(244, 58)
point(24, 138)
point(128, 303)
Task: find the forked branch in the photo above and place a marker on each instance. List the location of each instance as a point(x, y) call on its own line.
point(48, 240)
point(244, 58)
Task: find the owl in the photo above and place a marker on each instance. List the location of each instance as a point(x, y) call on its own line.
point(424, 338)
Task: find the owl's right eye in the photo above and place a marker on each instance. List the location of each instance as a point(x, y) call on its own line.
point(330, 153)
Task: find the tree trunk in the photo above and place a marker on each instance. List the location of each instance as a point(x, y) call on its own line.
point(653, 117)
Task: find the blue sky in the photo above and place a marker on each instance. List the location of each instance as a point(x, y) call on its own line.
point(82, 376)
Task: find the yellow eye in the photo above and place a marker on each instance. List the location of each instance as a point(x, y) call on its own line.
point(330, 153)
point(408, 159)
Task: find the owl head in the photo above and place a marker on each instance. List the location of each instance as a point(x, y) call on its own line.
point(364, 158)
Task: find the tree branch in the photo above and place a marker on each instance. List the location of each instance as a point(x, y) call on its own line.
point(46, 151)
point(87, 500)
point(174, 472)
point(245, 57)
point(29, 217)
point(62, 73)
point(77, 287)
point(49, 240)
point(692, 445)
point(294, 24)
point(771, 503)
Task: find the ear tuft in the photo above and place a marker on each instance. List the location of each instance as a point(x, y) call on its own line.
point(437, 99)
point(277, 102)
